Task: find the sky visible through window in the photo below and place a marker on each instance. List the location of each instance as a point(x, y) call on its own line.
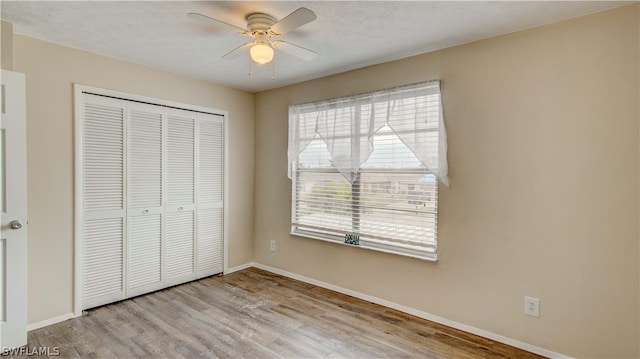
point(388, 149)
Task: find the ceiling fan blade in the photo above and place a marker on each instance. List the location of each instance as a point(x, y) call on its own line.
point(295, 50)
point(236, 52)
point(294, 20)
point(198, 16)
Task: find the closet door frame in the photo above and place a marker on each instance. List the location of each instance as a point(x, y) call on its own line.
point(79, 103)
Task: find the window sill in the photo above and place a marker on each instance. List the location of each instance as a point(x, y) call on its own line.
point(430, 257)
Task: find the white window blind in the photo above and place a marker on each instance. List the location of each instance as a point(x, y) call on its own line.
point(365, 169)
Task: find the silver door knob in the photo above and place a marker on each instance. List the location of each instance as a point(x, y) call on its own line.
point(15, 224)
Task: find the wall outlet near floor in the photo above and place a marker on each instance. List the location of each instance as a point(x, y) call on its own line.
point(272, 245)
point(532, 306)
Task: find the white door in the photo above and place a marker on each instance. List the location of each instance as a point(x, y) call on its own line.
point(149, 196)
point(144, 198)
point(103, 201)
point(180, 200)
point(13, 205)
point(210, 190)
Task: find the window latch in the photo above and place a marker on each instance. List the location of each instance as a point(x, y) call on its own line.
point(353, 239)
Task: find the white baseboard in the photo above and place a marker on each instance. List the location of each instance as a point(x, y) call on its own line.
point(239, 268)
point(417, 313)
point(369, 298)
point(50, 321)
point(62, 318)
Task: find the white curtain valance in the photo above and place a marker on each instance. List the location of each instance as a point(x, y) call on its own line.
point(347, 126)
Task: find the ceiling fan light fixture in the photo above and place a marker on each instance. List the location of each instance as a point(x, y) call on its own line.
point(264, 28)
point(261, 53)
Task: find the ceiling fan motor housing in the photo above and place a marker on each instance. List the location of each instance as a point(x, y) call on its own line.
point(260, 23)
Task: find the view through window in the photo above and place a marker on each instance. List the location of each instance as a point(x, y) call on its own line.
point(390, 201)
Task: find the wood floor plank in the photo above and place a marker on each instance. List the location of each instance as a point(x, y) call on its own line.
point(256, 314)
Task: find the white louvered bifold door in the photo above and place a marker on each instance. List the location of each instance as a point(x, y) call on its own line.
point(103, 193)
point(180, 196)
point(210, 173)
point(152, 195)
point(144, 210)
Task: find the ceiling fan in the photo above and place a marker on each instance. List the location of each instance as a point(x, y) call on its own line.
point(264, 28)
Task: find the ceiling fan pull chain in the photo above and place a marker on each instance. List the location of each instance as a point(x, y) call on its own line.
point(273, 69)
point(249, 65)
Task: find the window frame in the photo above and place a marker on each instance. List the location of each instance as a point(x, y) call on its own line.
point(367, 241)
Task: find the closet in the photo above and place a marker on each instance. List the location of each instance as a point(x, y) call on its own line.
point(150, 184)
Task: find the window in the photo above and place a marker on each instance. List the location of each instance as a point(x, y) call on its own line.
point(365, 169)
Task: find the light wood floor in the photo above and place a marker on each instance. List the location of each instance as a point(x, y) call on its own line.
point(257, 314)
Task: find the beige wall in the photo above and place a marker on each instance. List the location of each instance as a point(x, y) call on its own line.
point(543, 130)
point(51, 70)
point(544, 158)
point(6, 48)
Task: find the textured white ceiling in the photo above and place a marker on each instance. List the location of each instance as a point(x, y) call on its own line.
point(347, 34)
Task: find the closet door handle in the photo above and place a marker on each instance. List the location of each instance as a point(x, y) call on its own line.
point(180, 208)
point(145, 211)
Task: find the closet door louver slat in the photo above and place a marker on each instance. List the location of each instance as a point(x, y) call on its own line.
point(103, 157)
point(210, 161)
point(180, 160)
point(210, 188)
point(103, 255)
point(103, 201)
point(210, 224)
point(180, 246)
point(145, 159)
point(145, 249)
point(145, 199)
point(179, 212)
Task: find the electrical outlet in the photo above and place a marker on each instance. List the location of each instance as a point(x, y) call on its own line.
point(532, 306)
point(272, 245)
